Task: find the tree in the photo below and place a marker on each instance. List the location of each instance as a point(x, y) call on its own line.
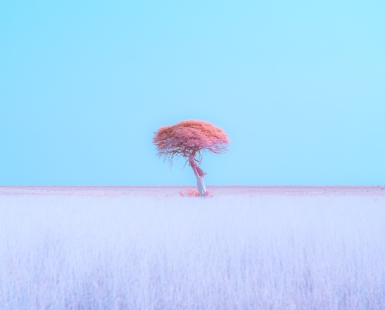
point(188, 139)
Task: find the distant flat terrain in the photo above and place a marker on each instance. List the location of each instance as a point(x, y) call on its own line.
point(168, 191)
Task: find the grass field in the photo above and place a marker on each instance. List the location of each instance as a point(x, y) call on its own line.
point(63, 250)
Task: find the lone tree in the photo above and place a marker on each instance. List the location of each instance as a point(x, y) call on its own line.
point(188, 139)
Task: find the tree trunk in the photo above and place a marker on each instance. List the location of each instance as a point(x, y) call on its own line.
point(201, 185)
point(199, 174)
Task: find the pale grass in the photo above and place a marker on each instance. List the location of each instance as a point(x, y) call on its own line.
point(234, 252)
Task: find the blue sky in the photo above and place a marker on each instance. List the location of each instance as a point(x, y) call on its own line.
point(299, 88)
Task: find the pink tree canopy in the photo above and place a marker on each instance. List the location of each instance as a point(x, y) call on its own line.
point(187, 138)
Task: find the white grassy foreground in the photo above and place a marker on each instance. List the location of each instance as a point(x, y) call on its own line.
point(234, 252)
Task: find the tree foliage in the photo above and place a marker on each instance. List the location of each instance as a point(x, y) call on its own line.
point(187, 138)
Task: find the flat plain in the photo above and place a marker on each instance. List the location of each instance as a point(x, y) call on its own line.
point(149, 248)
